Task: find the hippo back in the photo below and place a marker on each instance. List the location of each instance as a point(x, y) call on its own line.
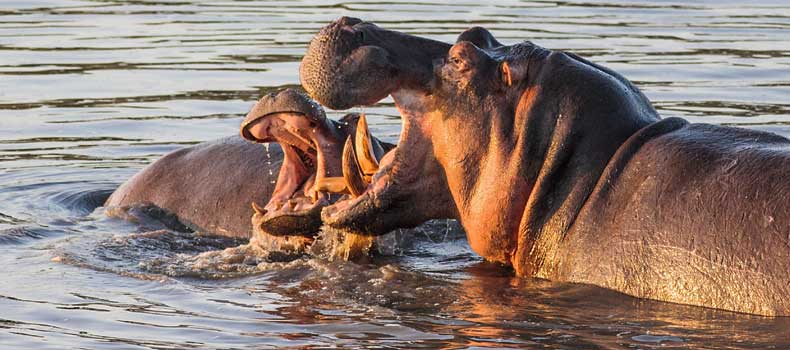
point(208, 187)
point(698, 216)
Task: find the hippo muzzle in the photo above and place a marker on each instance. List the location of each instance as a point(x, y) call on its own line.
point(354, 63)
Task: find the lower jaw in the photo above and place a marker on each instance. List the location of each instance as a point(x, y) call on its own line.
point(353, 214)
point(298, 233)
point(304, 223)
point(368, 215)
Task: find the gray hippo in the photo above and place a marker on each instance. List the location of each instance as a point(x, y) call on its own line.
point(211, 187)
point(562, 169)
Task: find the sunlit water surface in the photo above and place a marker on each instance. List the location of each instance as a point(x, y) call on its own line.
point(91, 91)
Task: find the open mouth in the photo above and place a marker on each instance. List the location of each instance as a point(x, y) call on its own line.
point(386, 192)
point(359, 163)
point(295, 203)
point(324, 161)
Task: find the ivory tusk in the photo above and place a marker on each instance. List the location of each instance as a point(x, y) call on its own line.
point(351, 173)
point(363, 146)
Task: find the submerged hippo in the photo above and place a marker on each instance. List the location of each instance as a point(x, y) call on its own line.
point(563, 169)
point(211, 186)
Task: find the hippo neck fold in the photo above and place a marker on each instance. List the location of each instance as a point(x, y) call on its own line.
point(570, 174)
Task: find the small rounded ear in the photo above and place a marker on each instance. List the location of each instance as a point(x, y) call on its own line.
point(479, 36)
point(512, 72)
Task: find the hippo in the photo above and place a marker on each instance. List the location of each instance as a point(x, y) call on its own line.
point(562, 169)
point(216, 187)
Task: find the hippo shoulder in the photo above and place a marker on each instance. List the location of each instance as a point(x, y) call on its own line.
point(703, 203)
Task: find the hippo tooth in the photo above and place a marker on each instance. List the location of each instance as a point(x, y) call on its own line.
point(314, 194)
point(278, 205)
point(258, 210)
point(291, 204)
point(351, 172)
point(331, 185)
point(364, 148)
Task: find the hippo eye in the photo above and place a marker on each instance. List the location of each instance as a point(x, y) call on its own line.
point(455, 60)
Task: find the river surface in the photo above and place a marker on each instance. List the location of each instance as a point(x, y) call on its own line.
point(92, 91)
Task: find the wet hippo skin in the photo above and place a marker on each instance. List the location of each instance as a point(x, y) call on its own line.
point(208, 187)
point(562, 169)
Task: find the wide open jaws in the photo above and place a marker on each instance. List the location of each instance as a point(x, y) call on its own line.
point(311, 149)
point(294, 195)
point(407, 189)
point(311, 176)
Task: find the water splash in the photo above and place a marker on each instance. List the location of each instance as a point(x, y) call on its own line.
point(269, 161)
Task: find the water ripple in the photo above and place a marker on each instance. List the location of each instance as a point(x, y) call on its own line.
point(91, 91)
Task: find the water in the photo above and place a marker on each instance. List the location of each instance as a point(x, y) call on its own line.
point(91, 91)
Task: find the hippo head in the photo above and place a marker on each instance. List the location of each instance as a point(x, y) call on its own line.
point(516, 135)
point(310, 176)
point(351, 63)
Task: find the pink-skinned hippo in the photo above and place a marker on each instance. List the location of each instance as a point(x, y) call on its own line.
point(562, 168)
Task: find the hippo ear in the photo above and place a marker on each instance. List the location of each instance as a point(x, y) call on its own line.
point(512, 73)
point(479, 36)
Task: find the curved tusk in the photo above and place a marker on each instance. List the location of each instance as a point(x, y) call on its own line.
point(364, 148)
point(351, 173)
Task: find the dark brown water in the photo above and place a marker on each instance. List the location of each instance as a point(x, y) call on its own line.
point(91, 91)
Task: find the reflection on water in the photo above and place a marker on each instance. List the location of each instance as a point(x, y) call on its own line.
point(91, 91)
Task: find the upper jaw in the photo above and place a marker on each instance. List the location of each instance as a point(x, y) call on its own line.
point(348, 58)
point(285, 101)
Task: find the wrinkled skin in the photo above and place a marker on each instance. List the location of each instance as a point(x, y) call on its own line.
point(562, 169)
point(210, 187)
